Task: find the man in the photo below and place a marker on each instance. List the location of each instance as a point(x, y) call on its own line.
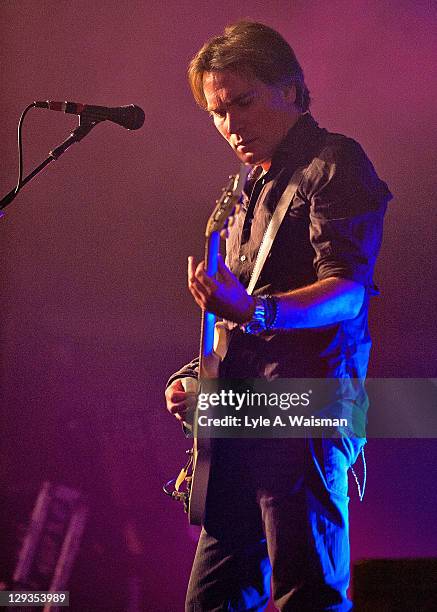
point(279, 507)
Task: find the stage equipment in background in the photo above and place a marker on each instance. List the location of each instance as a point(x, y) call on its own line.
point(130, 117)
point(52, 541)
point(395, 585)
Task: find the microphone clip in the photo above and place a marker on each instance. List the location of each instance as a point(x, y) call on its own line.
point(85, 126)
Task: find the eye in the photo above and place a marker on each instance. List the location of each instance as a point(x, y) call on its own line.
point(217, 114)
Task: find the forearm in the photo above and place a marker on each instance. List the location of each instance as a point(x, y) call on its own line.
point(323, 303)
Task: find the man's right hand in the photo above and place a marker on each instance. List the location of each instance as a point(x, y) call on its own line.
point(181, 403)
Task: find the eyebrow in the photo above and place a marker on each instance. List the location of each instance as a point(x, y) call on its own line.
point(233, 101)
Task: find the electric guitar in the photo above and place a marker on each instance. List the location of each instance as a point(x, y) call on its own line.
point(213, 344)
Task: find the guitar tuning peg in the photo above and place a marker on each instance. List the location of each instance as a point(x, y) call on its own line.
point(224, 234)
point(237, 209)
point(231, 221)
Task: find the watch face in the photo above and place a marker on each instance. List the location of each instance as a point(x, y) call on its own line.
point(257, 324)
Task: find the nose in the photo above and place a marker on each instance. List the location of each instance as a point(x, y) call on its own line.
point(233, 122)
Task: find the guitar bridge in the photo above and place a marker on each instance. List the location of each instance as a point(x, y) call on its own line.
point(173, 486)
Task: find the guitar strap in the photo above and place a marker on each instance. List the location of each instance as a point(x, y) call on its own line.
point(273, 227)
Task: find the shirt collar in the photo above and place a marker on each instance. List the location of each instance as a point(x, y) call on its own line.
point(292, 151)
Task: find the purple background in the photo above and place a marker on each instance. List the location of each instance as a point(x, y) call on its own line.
point(95, 312)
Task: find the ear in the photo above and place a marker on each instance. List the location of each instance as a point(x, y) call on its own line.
point(289, 92)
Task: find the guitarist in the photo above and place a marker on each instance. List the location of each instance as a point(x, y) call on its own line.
point(279, 508)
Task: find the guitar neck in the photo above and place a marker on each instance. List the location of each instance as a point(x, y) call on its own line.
point(225, 206)
point(208, 319)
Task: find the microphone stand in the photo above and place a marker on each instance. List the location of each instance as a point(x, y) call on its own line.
point(84, 128)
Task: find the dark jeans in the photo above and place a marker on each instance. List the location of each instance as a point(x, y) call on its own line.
point(276, 509)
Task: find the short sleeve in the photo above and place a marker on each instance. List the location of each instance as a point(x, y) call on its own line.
point(189, 370)
point(347, 206)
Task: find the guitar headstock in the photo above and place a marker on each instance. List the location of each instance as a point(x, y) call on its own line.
point(228, 202)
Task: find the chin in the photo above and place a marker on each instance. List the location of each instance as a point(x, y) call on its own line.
point(248, 158)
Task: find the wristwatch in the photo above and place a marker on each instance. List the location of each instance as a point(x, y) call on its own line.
point(264, 316)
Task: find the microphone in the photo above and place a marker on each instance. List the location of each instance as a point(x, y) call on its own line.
point(130, 117)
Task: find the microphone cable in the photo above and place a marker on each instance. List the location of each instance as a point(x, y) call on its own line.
point(20, 146)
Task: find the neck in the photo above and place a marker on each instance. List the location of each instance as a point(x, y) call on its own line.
point(265, 165)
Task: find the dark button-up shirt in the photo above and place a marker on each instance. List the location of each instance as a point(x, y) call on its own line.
point(332, 228)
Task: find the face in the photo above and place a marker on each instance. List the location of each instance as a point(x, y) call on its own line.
point(252, 116)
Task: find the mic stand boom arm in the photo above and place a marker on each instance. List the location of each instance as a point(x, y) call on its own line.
point(76, 135)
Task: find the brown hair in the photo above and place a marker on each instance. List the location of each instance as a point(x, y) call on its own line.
point(249, 48)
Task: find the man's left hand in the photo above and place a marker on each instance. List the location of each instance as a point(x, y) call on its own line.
point(224, 295)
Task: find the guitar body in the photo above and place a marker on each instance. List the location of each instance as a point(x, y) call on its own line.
point(201, 467)
point(202, 446)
